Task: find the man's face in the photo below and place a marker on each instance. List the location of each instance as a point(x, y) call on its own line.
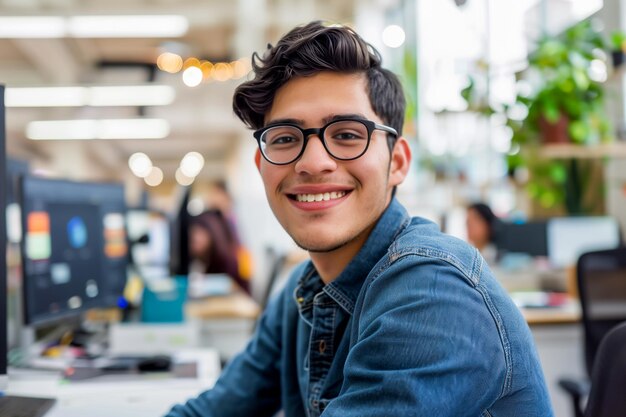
point(354, 193)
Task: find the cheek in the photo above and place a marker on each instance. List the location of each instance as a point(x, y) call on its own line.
point(268, 176)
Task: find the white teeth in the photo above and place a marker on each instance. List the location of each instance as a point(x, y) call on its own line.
point(320, 197)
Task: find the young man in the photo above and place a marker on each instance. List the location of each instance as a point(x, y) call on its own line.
point(390, 317)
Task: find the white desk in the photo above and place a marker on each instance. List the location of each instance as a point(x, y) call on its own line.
point(150, 395)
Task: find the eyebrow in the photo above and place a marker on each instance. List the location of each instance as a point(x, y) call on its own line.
point(325, 120)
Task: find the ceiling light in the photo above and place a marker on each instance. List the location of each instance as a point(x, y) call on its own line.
point(45, 97)
point(137, 95)
point(130, 95)
point(170, 62)
point(393, 36)
point(183, 179)
point(192, 76)
point(32, 27)
point(140, 164)
point(222, 71)
point(192, 164)
point(157, 26)
point(120, 26)
point(98, 129)
point(155, 177)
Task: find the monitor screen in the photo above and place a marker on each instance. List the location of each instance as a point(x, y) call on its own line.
point(3, 254)
point(528, 238)
point(570, 237)
point(74, 247)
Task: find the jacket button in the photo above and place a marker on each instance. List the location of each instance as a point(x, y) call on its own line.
point(322, 346)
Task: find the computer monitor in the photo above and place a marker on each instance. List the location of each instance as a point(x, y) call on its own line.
point(570, 237)
point(529, 238)
point(149, 237)
point(74, 247)
point(179, 243)
point(3, 254)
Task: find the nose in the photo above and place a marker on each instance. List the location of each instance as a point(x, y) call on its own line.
point(315, 159)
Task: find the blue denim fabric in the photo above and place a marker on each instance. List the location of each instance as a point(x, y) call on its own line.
point(416, 325)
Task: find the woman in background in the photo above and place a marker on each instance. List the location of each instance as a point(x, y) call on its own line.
point(481, 229)
point(213, 246)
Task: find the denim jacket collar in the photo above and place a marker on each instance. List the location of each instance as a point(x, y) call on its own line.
point(346, 287)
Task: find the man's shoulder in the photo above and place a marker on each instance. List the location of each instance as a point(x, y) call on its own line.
point(422, 240)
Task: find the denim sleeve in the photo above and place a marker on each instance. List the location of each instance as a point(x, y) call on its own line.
point(425, 344)
point(250, 384)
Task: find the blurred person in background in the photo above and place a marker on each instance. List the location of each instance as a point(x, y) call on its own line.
point(221, 199)
point(214, 247)
point(482, 225)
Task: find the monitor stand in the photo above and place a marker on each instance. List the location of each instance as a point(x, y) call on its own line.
point(34, 340)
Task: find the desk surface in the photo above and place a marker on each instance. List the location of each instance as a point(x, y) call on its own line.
point(240, 305)
point(129, 395)
point(235, 305)
point(569, 312)
point(112, 397)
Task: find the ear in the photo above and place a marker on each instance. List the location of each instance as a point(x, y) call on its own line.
point(257, 159)
point(400, 162)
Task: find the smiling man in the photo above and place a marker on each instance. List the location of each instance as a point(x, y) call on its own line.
point(390, 316)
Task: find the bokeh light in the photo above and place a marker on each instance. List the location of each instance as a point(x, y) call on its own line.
point(140, 164)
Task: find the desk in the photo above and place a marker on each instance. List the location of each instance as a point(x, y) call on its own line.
point(568, 313)
point(149, 395)
point(226, 322)
point(235, 305)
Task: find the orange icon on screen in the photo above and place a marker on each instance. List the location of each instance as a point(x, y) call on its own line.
point(38, 222)
point(38, 241)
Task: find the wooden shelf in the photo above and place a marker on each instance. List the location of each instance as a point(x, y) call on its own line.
point(561, 151)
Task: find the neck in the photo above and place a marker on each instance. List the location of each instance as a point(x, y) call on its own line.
point(332, 263)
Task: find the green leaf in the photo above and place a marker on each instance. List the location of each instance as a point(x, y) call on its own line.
point(558, 173)
point(579, 131)
point(551, 111)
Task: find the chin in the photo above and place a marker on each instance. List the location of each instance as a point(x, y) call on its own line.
point(320, 246)
point(312, 245)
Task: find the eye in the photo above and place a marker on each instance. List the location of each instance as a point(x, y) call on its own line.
point(346, 131)
point(282, 136)
point(281, 140)
point(347, 135)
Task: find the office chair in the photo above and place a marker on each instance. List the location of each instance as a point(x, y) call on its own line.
point(608, 379)
point(601, 279)
point(276, 262)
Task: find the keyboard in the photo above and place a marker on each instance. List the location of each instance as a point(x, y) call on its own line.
point(18, 406)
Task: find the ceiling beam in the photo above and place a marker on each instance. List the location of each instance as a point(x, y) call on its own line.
point(52, 58)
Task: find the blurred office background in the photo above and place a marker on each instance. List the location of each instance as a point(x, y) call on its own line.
point(148, 102)
point(139, 92)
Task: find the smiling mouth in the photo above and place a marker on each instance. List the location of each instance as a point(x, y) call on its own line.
point(309, 198)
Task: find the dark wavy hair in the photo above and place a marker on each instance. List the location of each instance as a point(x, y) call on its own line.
point(311, 49)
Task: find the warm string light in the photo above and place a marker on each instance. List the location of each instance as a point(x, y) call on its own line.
point(196, 71)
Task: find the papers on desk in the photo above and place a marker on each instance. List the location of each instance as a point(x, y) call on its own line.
point(124, 398)
point(127, 395)
point(207, 285)
point(539, 299)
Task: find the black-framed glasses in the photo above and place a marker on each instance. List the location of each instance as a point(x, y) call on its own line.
point(343, 139)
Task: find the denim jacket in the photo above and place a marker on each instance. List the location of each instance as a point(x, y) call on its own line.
point(416, 325)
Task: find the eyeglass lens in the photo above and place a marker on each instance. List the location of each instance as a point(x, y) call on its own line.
point(344, 139)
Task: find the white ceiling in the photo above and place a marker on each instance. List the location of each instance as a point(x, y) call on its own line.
point(201, 118)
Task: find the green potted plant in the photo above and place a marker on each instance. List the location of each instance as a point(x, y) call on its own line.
point(618, 44)
point(566, 105)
